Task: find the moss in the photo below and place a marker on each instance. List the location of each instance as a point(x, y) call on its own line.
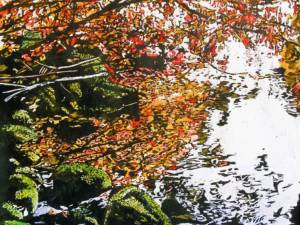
point(75, 88)
point(176, 212)
point(26, 191)
point(9, 210)
point(132, 206)
point(79, 181)
point(22, 117)
point(15, 222)
point(91, 221)
point(30, 38)
point(25, 170)
point(33, 157)
point(20, 133)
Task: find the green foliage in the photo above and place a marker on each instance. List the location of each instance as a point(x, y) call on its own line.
point(94, 66)
point(11, 211)
point(76, 89)
point(74, 182)
point(26, 191)
point(46, 99)
point(30, 38)
point(15, 222)
point(87, 97)
point(22, 117)
point(2, 67)
point(25, 170)
point(91, 221)
point(20, 133)
point(132, 206)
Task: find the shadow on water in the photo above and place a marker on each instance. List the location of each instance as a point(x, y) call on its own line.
point(246, 172)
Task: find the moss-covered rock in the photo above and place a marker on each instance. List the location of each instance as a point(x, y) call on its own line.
point(78, 181)
point(10, 211)
point(132, 206)
point(20, 133)
point(83, 215)
point(26, 192)
point(176, 212)
point(22, 117)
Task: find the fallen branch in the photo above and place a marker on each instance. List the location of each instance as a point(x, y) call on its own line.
point(12, 85)
point(39, 75)
point(23, 88)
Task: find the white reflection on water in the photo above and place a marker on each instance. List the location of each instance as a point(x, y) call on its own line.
point(261, 140)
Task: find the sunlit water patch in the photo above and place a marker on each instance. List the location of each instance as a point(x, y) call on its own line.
point(246, 172)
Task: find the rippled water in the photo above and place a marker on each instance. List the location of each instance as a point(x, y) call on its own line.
point(247, 171)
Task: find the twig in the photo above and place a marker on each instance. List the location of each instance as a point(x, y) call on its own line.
point(216, 68)
point(67, 67)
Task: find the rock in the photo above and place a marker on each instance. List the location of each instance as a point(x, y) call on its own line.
point(10, 211)
point(78, 181)
point(175, 211)
point(26, 192)
point(296, 214)
point(131, 206)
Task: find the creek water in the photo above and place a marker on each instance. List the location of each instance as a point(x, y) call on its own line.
point(247, 170)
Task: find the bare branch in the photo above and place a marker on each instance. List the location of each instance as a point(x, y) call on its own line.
point(39, 75)
point(12, 85)
point(46, 83)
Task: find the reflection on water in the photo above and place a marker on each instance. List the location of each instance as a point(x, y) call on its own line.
point(246, 172)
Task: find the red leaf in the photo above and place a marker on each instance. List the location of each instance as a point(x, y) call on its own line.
point(173, 167)
point(188, 18)
point(168, 10)
point(60, 50)
point(250, 18)
point(27, 57)
point(245, 40)
point(178, 59)
point(135, 123)
point(223, 62)
point(136, 40)
point(109, 69)
point(241, 6)
point(73, 41)
point(296, 89)
point(152, 55)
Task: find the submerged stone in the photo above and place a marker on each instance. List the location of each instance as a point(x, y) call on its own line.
point(132, 206)
point(78, 181)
